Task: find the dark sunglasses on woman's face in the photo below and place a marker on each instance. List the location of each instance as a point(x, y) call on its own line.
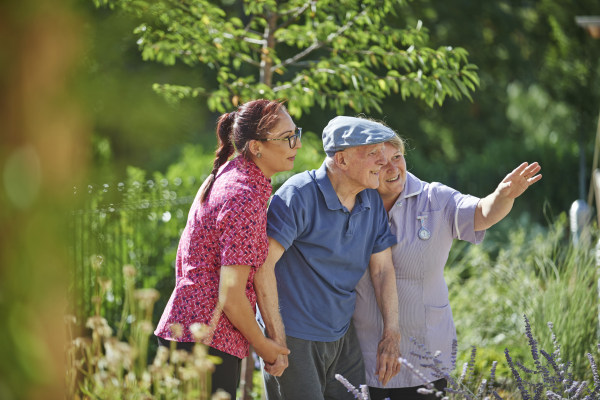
point(292, 139)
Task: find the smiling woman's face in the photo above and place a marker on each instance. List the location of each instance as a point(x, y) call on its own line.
point(392, 176)
point(276, 155)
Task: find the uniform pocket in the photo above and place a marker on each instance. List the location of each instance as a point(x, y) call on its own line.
point(440, 331)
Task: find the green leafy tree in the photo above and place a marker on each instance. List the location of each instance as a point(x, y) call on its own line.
point(537, 99)
point(329, 53)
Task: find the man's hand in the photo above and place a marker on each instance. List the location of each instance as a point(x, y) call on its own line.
point(277, 368)
point(388, 352)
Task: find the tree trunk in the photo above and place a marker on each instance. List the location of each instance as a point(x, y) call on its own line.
point(266, 62)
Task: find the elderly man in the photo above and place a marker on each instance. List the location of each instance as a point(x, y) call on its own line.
point(325, 227)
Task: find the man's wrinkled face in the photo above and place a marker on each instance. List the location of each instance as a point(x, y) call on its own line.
point(364, 165)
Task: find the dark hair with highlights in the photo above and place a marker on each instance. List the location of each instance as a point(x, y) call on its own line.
point(236, 129)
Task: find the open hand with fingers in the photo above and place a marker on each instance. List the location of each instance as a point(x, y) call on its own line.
point(519, 180)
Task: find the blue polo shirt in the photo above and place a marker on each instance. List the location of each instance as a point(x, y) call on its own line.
point(327, 251)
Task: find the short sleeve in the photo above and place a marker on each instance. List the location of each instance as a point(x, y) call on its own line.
point(285, 216)
point(463, 224)
point(242, 238)
point(460, 212)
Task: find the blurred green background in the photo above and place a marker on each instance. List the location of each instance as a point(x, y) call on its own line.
point(538, 100)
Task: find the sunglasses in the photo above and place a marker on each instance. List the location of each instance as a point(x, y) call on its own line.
point(292, 139)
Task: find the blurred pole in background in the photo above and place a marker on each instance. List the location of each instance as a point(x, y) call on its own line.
point(596, 181)
point(43, 154)
point(580, 215)
point(592, 25)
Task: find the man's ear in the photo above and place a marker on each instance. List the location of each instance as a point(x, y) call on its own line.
point(341, 159)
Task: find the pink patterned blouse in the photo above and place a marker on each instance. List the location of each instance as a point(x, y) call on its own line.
point(228, 229)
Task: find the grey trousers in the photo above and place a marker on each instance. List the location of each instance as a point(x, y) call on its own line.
point(312, 368)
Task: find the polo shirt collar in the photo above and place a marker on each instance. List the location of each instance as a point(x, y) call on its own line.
point(329, 194)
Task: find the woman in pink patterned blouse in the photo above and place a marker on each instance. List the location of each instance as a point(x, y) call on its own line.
point(225, 241)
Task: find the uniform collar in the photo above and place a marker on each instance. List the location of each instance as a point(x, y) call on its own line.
point(412, 187)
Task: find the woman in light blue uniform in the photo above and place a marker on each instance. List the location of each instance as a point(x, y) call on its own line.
point(426, 218)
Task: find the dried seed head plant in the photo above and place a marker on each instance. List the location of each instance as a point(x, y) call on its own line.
point(113, 367)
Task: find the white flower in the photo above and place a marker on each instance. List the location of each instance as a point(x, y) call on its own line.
point(176, 330)
point(118, 354)
point(96, 261)
point(162, 355)
point(199, 331)
point(146, 297)
point(99, 325)
point(220, 395)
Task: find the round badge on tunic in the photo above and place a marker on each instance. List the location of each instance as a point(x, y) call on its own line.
point(424, 234)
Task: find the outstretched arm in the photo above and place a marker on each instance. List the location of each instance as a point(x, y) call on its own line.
point(494, 207)
point(267, 298)
point(384, 283)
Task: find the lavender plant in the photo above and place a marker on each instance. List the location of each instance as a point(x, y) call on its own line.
point(549, 378)
point(526, 270)
point(362, 394)
point(464, 386)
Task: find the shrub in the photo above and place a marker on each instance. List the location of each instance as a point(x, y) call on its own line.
point(524, 270)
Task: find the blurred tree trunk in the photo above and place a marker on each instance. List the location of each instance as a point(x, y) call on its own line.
point(42, 155)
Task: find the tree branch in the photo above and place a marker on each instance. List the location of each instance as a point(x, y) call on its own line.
point(316, 45)
point(266, 62)
point(297, 12)
point(299, 77)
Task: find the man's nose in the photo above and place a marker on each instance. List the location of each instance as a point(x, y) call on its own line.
point(381, 160)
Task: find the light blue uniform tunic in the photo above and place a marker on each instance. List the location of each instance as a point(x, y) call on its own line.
point(425, 312)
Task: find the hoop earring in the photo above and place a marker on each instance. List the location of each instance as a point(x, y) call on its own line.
point(258, 155)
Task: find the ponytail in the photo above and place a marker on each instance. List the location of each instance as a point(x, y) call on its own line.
point(236, 129)
point(224, 151)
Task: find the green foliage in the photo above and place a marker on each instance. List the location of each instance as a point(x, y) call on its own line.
point(546, 120)
point(537, 99)
point(536, 272)
point(328, 53)
point(130, 124)
point(136, 222)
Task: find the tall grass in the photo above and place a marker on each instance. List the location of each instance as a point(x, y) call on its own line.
point(537, 272)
